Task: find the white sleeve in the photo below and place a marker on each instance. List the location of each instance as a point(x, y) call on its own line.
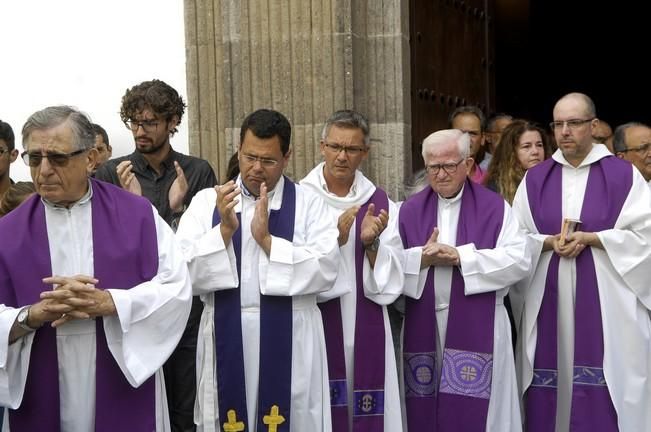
point(14, 360)
point(486, 270)
point(151, 316)
point(307, 265)
point(384, 283)
point(211, 264)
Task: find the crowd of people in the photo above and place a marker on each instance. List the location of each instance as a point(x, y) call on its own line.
point(507, 290)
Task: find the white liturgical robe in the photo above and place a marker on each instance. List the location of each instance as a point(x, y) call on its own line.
point(300, 269)
point(622, 269)
point(385, 273)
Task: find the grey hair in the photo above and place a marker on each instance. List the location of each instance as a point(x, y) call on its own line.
point(619, 136)
point(53, 116)
point(469, 109)
point(492, 121)
point(347, 119)
point(444, 136)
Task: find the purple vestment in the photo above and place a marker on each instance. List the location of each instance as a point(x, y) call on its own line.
point(369, 369)
point(460, 402)
point(125, 254)
point(609, 183)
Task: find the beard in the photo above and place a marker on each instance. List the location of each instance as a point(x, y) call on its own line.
point(150, 147)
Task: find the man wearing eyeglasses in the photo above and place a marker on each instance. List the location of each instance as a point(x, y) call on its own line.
point(585, 342)
point(259, 249)
point(94, 292)
point(462, 249)
point(361, 357)
point(8, 155)
point(152, 111)
point(632, 142)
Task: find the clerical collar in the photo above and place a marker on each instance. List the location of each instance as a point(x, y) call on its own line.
point(83, 200)
point(453, 199)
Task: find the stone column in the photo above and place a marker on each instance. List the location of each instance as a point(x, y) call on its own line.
point(306, 59)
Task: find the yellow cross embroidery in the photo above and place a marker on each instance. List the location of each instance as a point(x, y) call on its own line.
point(273, 419)
point(232, 425)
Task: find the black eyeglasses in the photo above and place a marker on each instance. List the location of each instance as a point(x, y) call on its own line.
point(449, 168)
point(55, 159)
point(147, 125)
point(641, 149)
point(336, 148)
point(3, 151)
point(571, 124)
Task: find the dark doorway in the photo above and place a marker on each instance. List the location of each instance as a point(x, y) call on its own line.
point(547, 48)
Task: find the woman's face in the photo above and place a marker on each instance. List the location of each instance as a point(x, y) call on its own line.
point(530, 150)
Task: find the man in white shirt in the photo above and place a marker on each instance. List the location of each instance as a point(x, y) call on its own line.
point(463, 249)
point(585, 352)
point(260, 248)
point(361, 360)
point(93, 290)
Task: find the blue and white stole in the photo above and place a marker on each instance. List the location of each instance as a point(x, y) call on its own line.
point(275, 383)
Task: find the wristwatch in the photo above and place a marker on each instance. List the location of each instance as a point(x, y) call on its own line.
point(373, 247)
point(21, 319)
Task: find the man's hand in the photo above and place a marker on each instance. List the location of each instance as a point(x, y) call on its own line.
point(178, 190)
point(372, 226)
point(438, 254)
point(128, 180)
point(79, 294)
point(226, 200)
point(345, 221)
point(260, 222)
point(576, 242)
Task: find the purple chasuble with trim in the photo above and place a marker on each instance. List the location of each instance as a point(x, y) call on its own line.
point(369, 369)
point(460, 402)
point(125, 254)
point(609, 183)
point(276, 329)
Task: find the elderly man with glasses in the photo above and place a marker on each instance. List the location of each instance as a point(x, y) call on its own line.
point(585, 351)
point(94, 292)
point(462, 250)
point(632, 142)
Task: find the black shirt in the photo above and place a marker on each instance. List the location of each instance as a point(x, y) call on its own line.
point(155, 188)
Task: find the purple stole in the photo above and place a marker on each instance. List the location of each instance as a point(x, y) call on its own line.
point(609, 183)
point(276, 322)
point(369, 370)
point(460, 402)
point(125, 254)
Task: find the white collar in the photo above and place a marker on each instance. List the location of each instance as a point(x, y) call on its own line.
point(360, 192)
point(598, 152)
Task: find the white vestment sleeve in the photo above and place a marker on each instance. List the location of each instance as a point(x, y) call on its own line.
point(151, 316)
point(486, 270)
point(14, 360)
point(384, 283)
point(211, 264)
point(628, 245)
point(307, 265)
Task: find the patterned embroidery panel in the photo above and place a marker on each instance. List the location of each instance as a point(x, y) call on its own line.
point(420, 374)
point(592, 376)
point(338, 393)
point(369, 402)
point(467, 373)
point(545, 378)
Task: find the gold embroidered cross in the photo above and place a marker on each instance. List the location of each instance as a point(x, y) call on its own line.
point(232, 425)
point(273, 419)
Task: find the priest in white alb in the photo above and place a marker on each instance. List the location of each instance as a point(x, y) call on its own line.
point(463, 251)
point(585, 335)
point(94, 293)
point(260, 249)
point(364, 392)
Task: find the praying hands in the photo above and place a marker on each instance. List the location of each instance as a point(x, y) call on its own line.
point(438, 254)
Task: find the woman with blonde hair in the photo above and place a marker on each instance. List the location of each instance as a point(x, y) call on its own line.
point(523, 145)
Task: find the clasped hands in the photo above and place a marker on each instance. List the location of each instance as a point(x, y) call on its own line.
point(72, 298)
point(438, 254)
point(574, 244)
